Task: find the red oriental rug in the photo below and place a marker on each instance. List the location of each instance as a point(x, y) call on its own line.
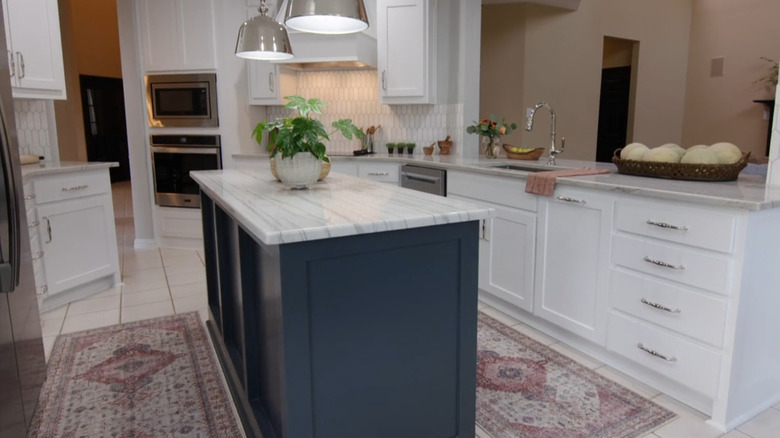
point(152, 378)
point(527, 390)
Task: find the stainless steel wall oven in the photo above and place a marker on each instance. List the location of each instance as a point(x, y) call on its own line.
point(177, 100)
point(173, 157)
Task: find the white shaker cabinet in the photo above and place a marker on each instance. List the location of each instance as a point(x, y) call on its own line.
point(507, 240)
point(572, 267)
point(406, 31)
point(269, 83)
point(73, 234)
point(177, 34)
point(32, 33)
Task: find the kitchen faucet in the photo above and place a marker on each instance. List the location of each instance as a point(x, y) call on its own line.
point(529, 124)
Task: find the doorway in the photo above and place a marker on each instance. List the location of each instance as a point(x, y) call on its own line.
point(616, 98)
point(105, 131)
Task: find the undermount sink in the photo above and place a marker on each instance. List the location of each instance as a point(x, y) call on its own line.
point(525, 168)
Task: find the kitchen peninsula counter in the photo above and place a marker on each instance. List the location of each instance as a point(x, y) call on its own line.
point(749, 192)
point(348, 309)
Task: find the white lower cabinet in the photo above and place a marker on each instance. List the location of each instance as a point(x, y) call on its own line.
point(72, 235)
point(508, 240)
point(571, 271)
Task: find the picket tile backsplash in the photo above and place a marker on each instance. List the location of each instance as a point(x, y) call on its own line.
point(353, 94)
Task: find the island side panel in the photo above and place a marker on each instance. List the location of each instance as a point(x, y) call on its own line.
point(380, 334)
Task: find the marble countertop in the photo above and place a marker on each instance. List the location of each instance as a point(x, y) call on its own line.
point(53, 167)
point(748, 192)
point(340, 205)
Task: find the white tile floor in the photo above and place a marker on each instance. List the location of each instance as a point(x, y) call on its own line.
point(168, 281)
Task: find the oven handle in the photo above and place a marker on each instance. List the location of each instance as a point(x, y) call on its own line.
point(178, 150)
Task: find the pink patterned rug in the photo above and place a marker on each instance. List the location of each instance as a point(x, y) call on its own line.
point(152, 378)
point(527, 390)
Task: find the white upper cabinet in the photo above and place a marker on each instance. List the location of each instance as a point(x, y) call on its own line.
point(32, 33)
point(177, 34)
point(268, 83)
point(406, 46)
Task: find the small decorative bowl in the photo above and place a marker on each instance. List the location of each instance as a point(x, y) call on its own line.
point(531, 155)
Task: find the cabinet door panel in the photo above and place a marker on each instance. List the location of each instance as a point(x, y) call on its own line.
point(76, 250)
point(35, 42)
point(572, 269)
point(509, 271)
point(177, 34)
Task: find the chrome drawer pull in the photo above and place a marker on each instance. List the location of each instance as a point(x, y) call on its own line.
point(655, 353)
point(568, 199)
point(48, 229)
point(70, 189)
point(667, 226)
point(663, 264)
point(33, 224)
point(658, 306)
point(37, 255)
point(379, 173)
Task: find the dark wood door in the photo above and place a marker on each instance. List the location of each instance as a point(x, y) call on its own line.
point(103, 103)
point(613, 111)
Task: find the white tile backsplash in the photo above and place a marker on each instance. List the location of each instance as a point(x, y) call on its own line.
point(354, 94)
point(34, 127)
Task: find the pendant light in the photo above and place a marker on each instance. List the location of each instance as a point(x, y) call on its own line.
point(263, 38)
point(326, 16)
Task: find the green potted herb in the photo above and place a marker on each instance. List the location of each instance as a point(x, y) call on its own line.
point(390, 147)
point(296, 143)
point(410, 148)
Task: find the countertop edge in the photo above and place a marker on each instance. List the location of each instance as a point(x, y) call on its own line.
point(51, 168)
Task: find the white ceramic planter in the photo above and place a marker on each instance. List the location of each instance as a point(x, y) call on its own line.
point(299, 171)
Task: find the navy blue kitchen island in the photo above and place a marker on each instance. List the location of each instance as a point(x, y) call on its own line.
point(345, 311)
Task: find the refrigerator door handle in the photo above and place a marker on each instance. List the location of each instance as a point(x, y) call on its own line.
point(10, 243)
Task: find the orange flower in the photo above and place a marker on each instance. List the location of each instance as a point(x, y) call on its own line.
point(502, 131)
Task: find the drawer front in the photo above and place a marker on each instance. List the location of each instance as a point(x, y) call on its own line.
point(387, 173)
point(684, 362)
point(690, 226)
point(493, 189)
point(70, 185)
point(701, 269)
point(670, 306)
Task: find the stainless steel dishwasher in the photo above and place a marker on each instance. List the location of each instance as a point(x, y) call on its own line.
point(424, 179)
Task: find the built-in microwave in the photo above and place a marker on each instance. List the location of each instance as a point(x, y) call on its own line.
point(182, 100)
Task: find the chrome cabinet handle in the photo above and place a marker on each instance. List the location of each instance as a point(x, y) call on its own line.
point(568, 199)
point(33, 224)
point(667, 226)
point(384, 80)
point(11, 63)
point(48, 229)
point(29, 197)
point(655, 353)
point(379, 173)
point(271, 81)
point(484, 230)
point(72, 188)
point(659, 306)
point(663, 264)
point(43, 290)
point(20, 58)
point(37, 255)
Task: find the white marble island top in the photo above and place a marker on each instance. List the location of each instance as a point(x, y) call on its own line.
point(340, 205)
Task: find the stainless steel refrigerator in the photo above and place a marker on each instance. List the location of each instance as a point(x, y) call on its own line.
point(22, 363)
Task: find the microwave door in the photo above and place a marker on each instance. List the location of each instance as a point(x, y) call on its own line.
point(186, 101)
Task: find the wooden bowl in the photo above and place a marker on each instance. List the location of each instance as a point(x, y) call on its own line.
point(532, 155)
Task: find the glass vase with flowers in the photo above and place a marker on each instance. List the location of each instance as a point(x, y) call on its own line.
point(491, 130)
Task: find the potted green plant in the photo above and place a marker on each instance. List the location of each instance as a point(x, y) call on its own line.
point(390, 147)
point(297, 143)
point(410, 148)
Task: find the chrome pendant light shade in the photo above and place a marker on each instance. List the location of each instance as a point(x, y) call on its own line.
point(326, 16)
point(261, 37)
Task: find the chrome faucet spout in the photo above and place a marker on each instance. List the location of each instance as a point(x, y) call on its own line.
point(529, 125)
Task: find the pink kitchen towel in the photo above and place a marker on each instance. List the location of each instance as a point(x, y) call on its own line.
point(543, 183)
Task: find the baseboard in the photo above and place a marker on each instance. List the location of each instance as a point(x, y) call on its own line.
point(145, 243)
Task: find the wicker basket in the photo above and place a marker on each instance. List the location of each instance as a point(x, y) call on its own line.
point(683, 171)
point(532, 155)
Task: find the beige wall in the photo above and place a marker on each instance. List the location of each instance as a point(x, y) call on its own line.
point(562, 57)
point(90, 45)
point(722, 108)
